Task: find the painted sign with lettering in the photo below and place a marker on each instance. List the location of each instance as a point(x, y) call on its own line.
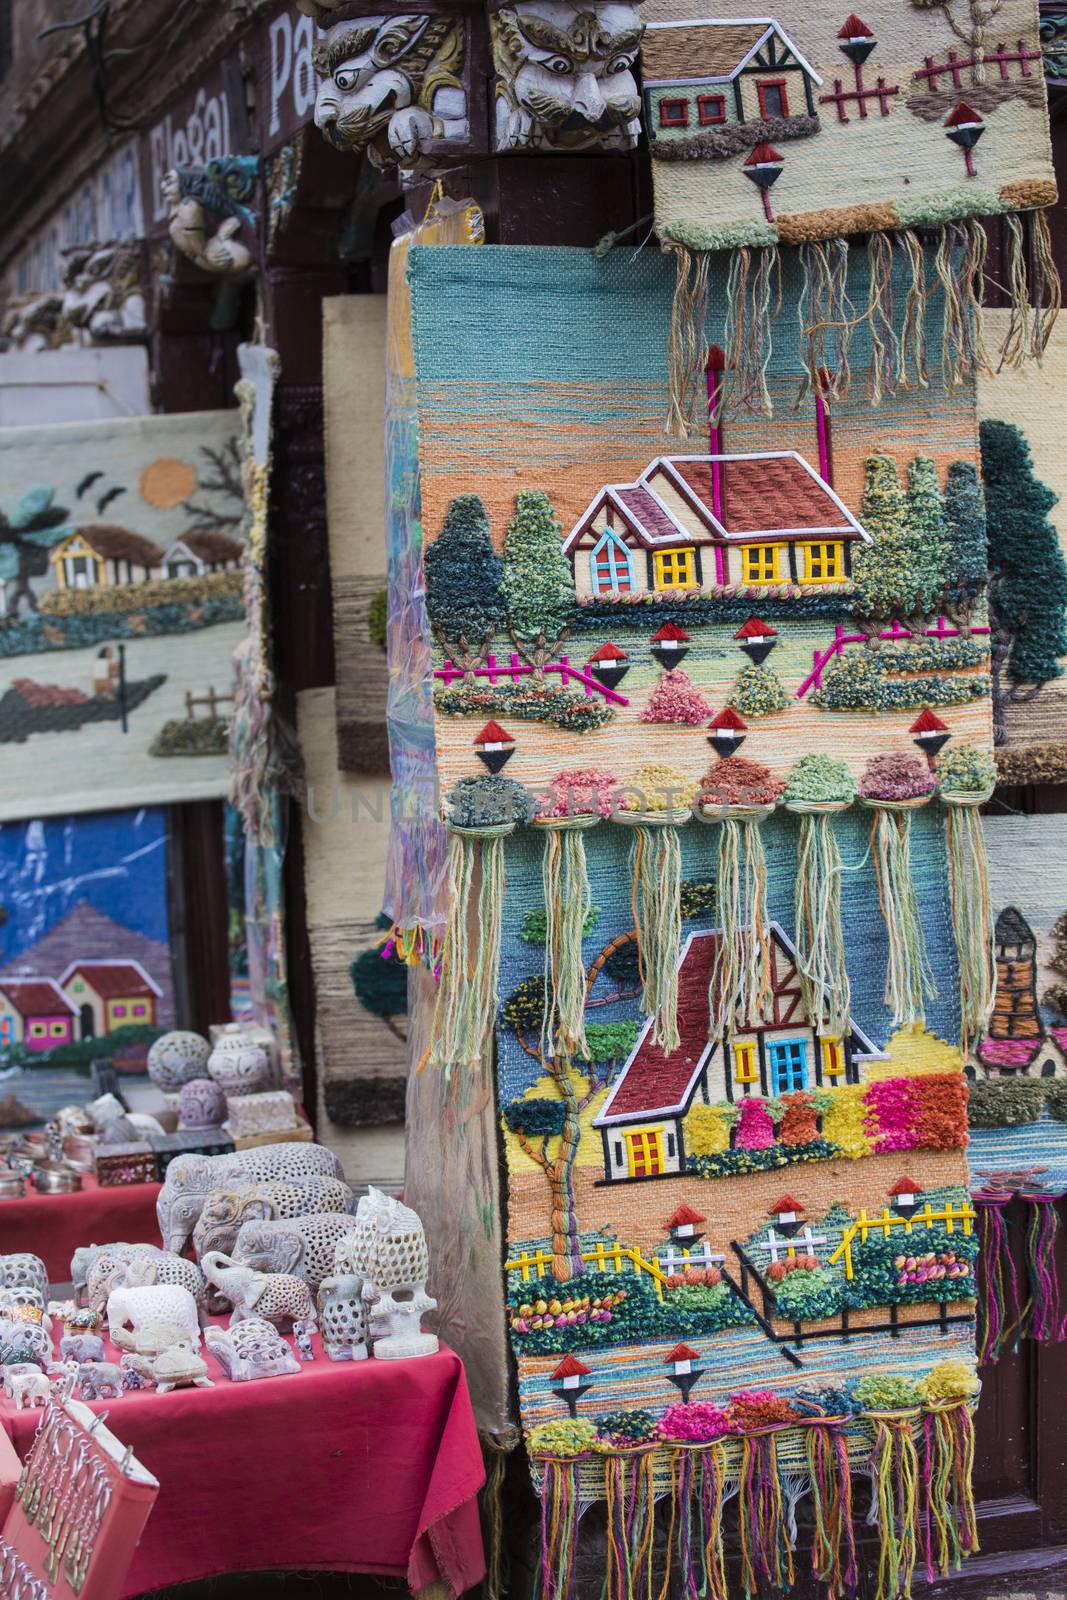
point(198, 128)
point(107, 206)
point(287, 76)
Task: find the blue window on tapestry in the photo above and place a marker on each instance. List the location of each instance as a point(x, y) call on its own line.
point(610, 566)
point(789, 1064)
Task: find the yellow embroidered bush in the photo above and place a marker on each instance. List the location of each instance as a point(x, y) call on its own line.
point(842, 1123)
point(707, 1131)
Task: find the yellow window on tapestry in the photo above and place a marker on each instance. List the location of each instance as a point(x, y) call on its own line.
point(759, 563)
point(745, 1070)
point(823, 563)
point(644, 1152)
point(833, 1058)
point(675, 569)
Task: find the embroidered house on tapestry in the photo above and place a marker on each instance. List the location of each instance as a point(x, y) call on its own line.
point(35, 1012)
point(726, 84)
point(103, 554)
point(705, 522)
point(200, 552)
point(641, 1119)
point(110, 994)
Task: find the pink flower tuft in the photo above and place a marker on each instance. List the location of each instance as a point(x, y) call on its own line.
point(755, 1128)
point(583, 792)
point(674, 699)
point(695, 1422)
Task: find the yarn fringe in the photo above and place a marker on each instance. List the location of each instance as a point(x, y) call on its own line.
point(823, 967)
point(466, 1005)
point(496, 1448)
point(895, 1502)
point(998, 1281)
point(740, 974)
point(694, 1539)
point(972, 919)
point(949, 1523)
point(656, 867)
point(1041, 1316)
point(559, 1528)
point(568, 901)
point(1004, 1316)
point(905, 283)
point(909, 978)
point(833, 1549)
point(766, 1552)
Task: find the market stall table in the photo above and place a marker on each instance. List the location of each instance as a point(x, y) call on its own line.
point(52, 1226)
point(367, 1466)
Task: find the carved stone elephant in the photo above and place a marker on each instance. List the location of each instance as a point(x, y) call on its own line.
point(302, 1245)
point(129, 1310)
point(81, 1347)
point(191, 1178)
point(145, 1266)
point(27, 1389)
point(278, 1297)
point(86, 1254)
point(228, 1208)
point(100, 1380)
point(22, 1268)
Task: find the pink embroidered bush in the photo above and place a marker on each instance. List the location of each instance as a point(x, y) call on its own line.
point(585, 791)
point(755, 1129)
point(674, 699)
point(695, 1422)
point(893, 1113)
point(899, 776)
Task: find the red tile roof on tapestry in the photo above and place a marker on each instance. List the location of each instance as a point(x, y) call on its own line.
point(113, 980)
point(571, 1367)
point(682, 1352)
point(35, 997)
point(684, 1217)
point(756, 628)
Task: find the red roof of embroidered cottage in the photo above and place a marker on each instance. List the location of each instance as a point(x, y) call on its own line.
point(786, 1203)
point(493, 733)
point(571, 1367)
point(764, 155)
point(608, 652)
point(35, 997)
point(682, 1352)
point(684, 1217)
point(669, 630)
point(964, 116)
point(755, 628)
point(113, 980)
point(854, 29)
point(905, 1186)
point(926, 722)
point(728, 718)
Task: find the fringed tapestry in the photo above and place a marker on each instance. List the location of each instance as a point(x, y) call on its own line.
point(1021, 415)
point(121, 605)
point(815, 128)
point(1018, 1097)
point(712, 727)
point(85, 955)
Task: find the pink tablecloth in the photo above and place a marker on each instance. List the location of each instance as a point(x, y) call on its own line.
point(54, 1225)
point(370, 1466)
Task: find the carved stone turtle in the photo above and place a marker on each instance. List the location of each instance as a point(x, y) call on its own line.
point(178, 1367)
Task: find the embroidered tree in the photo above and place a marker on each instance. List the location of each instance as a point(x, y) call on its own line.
point(1055, 996)
point(676, 699)
point(924, 537)
point(967, 556)
point(758, 692)
point(972, 31)
point(538, 582)
point(26, 536)
point(1028, 575)
point(464, 593)
point(879, 569)
point(380, 981)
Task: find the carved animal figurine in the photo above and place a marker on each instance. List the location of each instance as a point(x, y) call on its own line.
point(220, 252)
point(27, 1389)
point(81, 1347)
point(191, 1178)
point(145, 1267)
point(227, 1209)
point(130, 1310)
point(276, 1296)
point(341, 1317)
point(26, 1336)
point(301, 1245)
point(565, 75)
point(179, 1366)
point(25, 1304)
point(389, 84)
point(302, 1340)
point(86, 1254)
point(132, 1379)
point(397, 1265)
point(176, 1058)
point(24, 1268)
point(101, 1380)
point(252, 1349)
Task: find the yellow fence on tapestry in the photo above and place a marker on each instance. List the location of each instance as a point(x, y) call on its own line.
point(865, 1226)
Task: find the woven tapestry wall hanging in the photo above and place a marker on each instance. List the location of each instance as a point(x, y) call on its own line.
point(813, 126)
point(121, 593)
point(1022, 416)
point(85, 959)
point(712, 727)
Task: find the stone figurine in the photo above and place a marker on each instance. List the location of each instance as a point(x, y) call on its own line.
point(276, 1296)
point(397, 1264)
point(251, 1349)
point(25, 1303)
point(301, 1245)
point(302, 1340)
point(176, 1058)
point(342, 1321)
point(201, 1104)
point(219, 189)
point(86, 1254)
point(388, 85)
point(147, 1266)
point(179, 1366)
point(99, 1380)
point(81, 1347)
point(191, 1178)
point(227, 1208)
point(239, 1065)
point(103, 295)
point(23, 1341)
point(22, 1267)
point(129, 1310)
point(565, 75)
point(27, 1389)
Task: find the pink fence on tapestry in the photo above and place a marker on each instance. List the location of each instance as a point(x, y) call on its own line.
point(516, 670)
point(822, 658)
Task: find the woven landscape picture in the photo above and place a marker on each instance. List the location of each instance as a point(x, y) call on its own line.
point(715, 719)
point(121, 546)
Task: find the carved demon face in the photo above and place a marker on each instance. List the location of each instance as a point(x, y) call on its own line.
point(369, 69)
point(565, 75)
